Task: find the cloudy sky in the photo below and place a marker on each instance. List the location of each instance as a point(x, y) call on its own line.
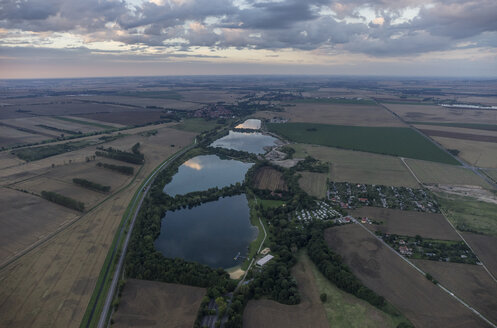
point(72, 38)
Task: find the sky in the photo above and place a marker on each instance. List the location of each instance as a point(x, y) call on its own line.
point(86, 38)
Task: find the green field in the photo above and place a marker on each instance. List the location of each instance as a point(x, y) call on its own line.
point(197, 125)
point(345, 310)
point(268, 203)
point(314, 183)
point(382, 140)
point(469, 214)
point(475, 126)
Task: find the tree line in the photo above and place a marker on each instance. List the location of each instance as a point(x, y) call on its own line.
point(63, 200)
point(134, 157)
point(91, 185)
point(128, 170)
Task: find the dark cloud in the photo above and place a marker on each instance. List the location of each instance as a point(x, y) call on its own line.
point(296, 24)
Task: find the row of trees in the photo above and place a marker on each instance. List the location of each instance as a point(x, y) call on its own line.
point(134, 157)
point(128, 170)
point(91, 185)
point(63, 200)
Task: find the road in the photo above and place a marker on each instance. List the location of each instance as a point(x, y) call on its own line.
point(142, 192)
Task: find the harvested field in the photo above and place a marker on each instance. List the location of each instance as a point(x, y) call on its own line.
point(12, 137)
point(477, 153)
point(314, 183)
point(141, 102)
point(395, 141)
point(309, 313)
point(8, 160)
point(269, 179)
point(478, 129)
point(52, 285)
point(408, 223)
point(469, 282)
point(442, 114)
point(360, 167)
point(208, 96)
point(386, 273)
point(340, 114)
point(70, 107)
point(127, 118)
point(490, 173)
point(438, 173)
point(485, 247)
point(459, 135)
point(34, 122)
point(25, 218)
point(153, 304)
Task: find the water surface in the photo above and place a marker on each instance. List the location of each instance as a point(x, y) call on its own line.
point(245, 141)
point(204, 172)
point(212, 233)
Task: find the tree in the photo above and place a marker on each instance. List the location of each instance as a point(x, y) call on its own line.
point(323, 297)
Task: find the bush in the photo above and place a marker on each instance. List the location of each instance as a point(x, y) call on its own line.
point(323, 297)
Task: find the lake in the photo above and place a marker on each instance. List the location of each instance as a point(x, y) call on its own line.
point(212, 233)
point(204, 172)
point(252, 142)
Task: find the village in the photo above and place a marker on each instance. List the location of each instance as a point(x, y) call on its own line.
point(350, 195)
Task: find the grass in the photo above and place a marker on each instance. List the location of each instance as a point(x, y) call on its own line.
point(430, 172)
point(395, 141)
point(469, 214)
point(335, 101)
point(315, 184)
point(345, 310)
point(269, 203)
point(198, 125)
point(36, 153)
point(73, 120)
point(475, 126)
point(254, 220)
point(408, 103)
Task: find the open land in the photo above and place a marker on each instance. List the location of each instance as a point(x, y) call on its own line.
point(477, 153)
point(469, 214)
point(383, 140)
point(52, 284)
point(485, 247)
point(143, 102)
point(314, 183)
point(408, 223)
point(153, 304)
point(490, 131)
point(380, 269)
point(360, 167)
point(309, 313)
point(270, 179)
point(344, 114)
point(442, 114)
point(438, 173)
point(469, 282)
point(345, 310)
point(11, 137)
point(492, 174)
point(459, 135)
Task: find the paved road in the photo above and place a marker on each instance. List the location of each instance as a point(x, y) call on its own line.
point(103, 321)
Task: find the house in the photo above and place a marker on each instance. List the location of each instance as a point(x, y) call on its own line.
point(404, 250)
point(264, 260)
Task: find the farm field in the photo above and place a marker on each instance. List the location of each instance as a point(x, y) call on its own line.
point(314, 183)
point(37, 123)
point(384, 140)
point(152, 304)
point(142, 102)
point(336, 113)
point(125, 118)
point(269, 179)
point(380, 269)
point(469, 214)
point(26, 218)
point(12, 137)
point(308, 313)
point(439, 114)
point(485, 247)
point(469, 282)
point(477, 153)
point(360, 167)
point(64, 107)
point(459, 135)
point(408, 223)
point(344, 310)
point(474, 129)
point(491, 173)
point(52, 285)
point(438, 173)
point(8, 160)
point(88, 122)
point(196, 125)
